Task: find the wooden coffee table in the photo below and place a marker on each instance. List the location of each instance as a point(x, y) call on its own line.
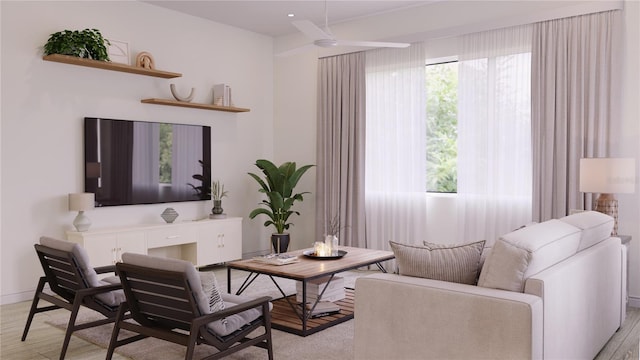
point(287, 314)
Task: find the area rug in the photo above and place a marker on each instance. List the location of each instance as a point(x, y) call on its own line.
point(333, 343)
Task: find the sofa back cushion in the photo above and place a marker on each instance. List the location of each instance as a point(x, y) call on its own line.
point(595, 227)
point(453, 263)
point(527, 251)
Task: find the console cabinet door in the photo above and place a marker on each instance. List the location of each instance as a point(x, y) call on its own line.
point(133, 242)
point(107, 249)
point(219, 241)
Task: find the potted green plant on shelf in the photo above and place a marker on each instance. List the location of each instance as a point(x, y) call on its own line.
point(217, 193)
point(278, 185)
point(87, 43)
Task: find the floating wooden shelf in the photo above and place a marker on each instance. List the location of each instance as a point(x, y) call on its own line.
point(106, 65)
point(193, 105)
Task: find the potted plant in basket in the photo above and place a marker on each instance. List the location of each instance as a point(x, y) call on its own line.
point(278, 185)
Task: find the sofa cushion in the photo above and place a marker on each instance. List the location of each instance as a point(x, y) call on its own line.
point(527, 251)
point(453, 263)
point(595, 227)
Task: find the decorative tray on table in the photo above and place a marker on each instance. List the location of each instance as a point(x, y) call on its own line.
point(312, 255)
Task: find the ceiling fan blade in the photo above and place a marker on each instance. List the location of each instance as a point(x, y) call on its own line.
point(372, 44)
point(296, 50)
point(310, 30)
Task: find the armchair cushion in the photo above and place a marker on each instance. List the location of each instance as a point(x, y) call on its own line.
point(111, 298)
point(453, 263)
point(236, 321)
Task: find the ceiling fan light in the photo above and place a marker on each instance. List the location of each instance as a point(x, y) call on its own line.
point(326, 42)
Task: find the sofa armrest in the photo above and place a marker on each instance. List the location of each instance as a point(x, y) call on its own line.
point(401, 317)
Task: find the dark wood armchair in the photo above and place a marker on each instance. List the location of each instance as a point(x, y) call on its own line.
point(74, 284)
point(166, 300)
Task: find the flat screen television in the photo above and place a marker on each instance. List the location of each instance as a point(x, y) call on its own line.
point(136, 162)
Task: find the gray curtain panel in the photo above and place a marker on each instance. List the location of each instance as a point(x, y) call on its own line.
point(341, 147)
point(575, 91)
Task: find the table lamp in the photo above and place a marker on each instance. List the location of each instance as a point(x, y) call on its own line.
point(608, 176)
point(81, 202)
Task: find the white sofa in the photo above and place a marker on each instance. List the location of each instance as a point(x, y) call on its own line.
point(571, 302)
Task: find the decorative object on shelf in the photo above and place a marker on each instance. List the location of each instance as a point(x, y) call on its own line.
point(119, 51)
point(169, 215)
point(145, 60)
point(222, 95)
point(81, 202)
point(174, 92)
point(87, 43)
point(278, 185)
point(608, 176)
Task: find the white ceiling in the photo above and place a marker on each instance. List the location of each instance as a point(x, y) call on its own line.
point(270, 17)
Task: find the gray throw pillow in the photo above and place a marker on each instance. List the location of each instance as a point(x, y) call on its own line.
point(212, 290)
point(453, 263)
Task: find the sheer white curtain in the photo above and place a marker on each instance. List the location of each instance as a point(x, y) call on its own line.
point(494, 133)
point(395, 174)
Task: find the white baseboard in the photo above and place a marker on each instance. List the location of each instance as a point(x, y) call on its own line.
point(17, 297)
point(634, 301)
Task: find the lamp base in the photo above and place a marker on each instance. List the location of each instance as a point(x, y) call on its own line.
point(82, 222)
point(607, 204)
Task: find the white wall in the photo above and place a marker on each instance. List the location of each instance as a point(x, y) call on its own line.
point(43, 105)
point(436, 23)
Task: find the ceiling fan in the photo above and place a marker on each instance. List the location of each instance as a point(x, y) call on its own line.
point(324, 38)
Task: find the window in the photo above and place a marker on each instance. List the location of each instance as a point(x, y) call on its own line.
point(442, 123)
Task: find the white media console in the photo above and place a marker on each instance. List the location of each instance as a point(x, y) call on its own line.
point(203, 242)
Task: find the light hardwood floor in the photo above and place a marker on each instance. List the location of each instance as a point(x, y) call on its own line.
point(44, 341)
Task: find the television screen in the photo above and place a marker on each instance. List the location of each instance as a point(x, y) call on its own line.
point(136, 162)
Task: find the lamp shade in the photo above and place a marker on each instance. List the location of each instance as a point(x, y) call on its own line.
point(608, 175)
point(81, 201)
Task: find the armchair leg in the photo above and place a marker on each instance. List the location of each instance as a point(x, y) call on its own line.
point(267, 327)
point(34, 307)
point(122, 309)
point(70, 326)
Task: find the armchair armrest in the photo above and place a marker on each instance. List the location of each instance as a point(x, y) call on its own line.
point(261, 301)
point(404, 317)
point(105, 269)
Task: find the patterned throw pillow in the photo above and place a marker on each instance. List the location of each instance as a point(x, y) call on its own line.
point(453, 263)
point(212, 290)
